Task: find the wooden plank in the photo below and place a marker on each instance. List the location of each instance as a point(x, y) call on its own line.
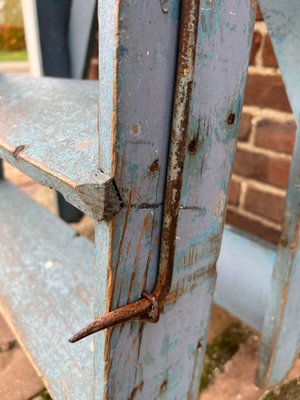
point(81, 36)
point(281, 329)
point(137, 57)
point(67, 30)
point(245, 264)
point(46, 292)
point(48, 130)
point(280, 337)
point(282, 19)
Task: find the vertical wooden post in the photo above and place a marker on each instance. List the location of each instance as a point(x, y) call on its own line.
point(137, 62)
point(281, 329)
point(138, 46)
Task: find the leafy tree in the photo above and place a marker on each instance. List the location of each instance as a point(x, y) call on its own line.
point(11, 12)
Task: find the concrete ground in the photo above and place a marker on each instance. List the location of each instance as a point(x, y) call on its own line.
point(15, 67)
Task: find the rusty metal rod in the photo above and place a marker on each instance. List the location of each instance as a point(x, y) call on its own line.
point(148, 306)
point(114, 317)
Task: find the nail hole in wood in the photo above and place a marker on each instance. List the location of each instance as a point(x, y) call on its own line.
point(192, 146)
point(154, 167)
point(163, 386)
point(231, 119)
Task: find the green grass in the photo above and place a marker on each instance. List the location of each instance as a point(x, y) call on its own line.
point(20, 55)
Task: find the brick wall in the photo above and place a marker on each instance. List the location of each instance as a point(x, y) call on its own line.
point(266, 138)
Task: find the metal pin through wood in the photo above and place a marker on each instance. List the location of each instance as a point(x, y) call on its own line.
point(148, 306)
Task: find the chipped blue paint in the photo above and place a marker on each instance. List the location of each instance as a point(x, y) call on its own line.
point(37, 114)
point(133, 239)
point(280, 342)
point(135, 117)
point(46, 292)
point(138, 359)
point(282, 323)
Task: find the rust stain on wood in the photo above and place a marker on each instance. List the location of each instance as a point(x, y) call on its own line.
point(154, 167)
point(115, 272)
point(135, 391)
point(147, 226)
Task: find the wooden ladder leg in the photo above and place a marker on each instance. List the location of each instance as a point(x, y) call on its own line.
point(137, 59)
point(280, 336)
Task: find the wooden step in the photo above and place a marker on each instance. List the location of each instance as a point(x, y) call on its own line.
point(48, 130)
point(46, 272)
point(245, 267)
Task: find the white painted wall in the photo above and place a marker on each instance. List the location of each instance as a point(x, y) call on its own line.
point(32, 37)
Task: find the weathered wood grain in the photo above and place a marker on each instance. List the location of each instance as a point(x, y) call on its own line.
point(281, 328)
point(280, 336)
point(66, 34)
point(137, 61)
point(46, 275)
point(137, 57)
point(48, 130)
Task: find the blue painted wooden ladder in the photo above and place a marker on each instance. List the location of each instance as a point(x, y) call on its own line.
point(266, 279)
point(155, 180)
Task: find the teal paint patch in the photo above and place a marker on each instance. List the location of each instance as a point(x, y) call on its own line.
point(173, 9)
point(168, 345)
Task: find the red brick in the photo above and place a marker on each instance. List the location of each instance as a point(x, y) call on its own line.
point(256, 43)
point(262, 167)
point(276, 135)
point(259, 16)
point(93, 70)
point(266, 204)
point(95, 47)
point(269, 58)
point(254, 227)
point(266, 91)
point(234, 192)
point(245, 126)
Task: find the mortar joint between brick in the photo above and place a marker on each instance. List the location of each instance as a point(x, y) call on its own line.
point(270, 113)
point(243, 193)
point(264, 71)
point(263, 186)
point(262, 29)
point(258, 218)
point(259, 150)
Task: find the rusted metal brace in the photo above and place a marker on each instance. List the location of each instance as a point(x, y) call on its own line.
point(148, 307)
